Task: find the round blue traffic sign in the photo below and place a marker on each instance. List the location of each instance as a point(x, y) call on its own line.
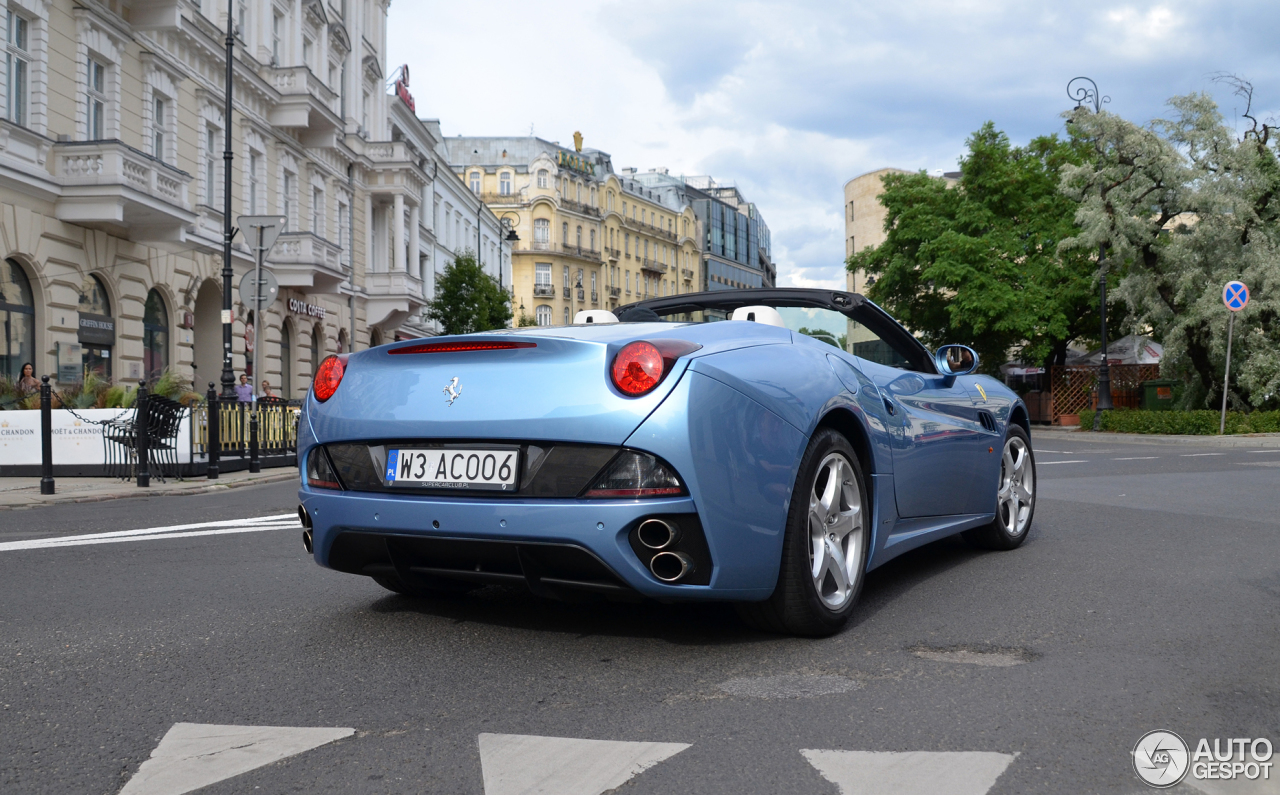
point(1235, 295)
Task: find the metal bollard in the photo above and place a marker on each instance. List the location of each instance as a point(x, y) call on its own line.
point(213, 444)
point(255, 465)
point(46, 436)
point(142, 419)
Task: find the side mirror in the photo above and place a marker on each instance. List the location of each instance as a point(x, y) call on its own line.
point(953, 360)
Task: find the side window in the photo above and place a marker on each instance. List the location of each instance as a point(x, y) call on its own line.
point(866, 344)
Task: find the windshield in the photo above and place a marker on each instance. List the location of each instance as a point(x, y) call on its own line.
point(826, 325)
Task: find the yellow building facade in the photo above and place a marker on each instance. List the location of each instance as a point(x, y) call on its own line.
point(587, 239)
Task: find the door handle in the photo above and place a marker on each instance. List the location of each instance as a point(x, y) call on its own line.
point(888, 405)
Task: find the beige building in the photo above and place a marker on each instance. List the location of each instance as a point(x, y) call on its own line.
point(111, 187)
point(588, 239)
point(864, 217)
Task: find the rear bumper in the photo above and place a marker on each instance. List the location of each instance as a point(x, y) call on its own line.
point(599, 528)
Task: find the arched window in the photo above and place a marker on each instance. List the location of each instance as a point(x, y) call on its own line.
point(609, 200)
point(342, 342)
point(579, 238)
point(543, 315)
point(18, 316)
point(475, 182)
point(375, 337)
point(155, 336)
point(564, 233)
point(542, 178)
point(504, 184)
point(317, 349)
point(97, 328)
point(566, 315)
point(577, 187)
point(286, 360)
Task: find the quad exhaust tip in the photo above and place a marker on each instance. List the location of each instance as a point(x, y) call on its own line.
point(306, 541)
point(305, 519)
point(657, 534)
point(671, 567)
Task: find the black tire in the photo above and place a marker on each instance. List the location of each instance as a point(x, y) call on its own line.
point(796, 607)
point(435, 589)
point(1002, 534)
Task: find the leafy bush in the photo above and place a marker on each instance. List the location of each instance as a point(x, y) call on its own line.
point(91, 393)
point(1193, 423)
point(120, 396)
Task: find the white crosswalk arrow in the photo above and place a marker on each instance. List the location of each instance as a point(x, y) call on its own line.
point(518, 764)
point(911, 773)
point(195, 755)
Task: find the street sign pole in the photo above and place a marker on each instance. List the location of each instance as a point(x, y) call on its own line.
point(1236, 296)
point(1226, 378)
point(255, 465)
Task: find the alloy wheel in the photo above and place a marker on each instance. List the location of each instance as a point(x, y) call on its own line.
point(835, 531)
point(1017, 487)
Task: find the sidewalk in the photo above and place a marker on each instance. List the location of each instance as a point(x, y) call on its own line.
point(21, 493)
point(1259, 441)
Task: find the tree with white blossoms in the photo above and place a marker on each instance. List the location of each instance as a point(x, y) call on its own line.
point(1185, 205)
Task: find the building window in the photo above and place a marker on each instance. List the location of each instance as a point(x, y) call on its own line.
point(628, 282)
point(95, 357)
point(543, 315)
point(288, 188)
point(626, 244)
point(579, 238)
point(341, 223)
point(286, 360)
point(155, 336)
point(542, 231)
point(504, 185)
point(593, 240)
point(564, 189)
point(564, 233)
point(211, 165)
point(593, 283)
point(307, 49)
point(609, 200)
point(542, 181)
point(317, 212)
point(566, 315)
point(18, 317)
point(850, 211)
point(567, 285)
point(475, 182)
point(158, 122)
point(17, 67)
point(624, 209)
point(577, 187)
point(255, 163)
point(277, 22)
point(96, 102)
point(542, 274)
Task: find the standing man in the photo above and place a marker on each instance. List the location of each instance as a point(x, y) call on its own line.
point(244, 391)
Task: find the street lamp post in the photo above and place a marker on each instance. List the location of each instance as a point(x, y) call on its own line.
point(228, 376)
point(1081, 93)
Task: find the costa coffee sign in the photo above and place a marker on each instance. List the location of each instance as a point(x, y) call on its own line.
point(300, 307)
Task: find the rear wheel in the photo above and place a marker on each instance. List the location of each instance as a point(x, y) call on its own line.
point(824, 551)
point(1015, 496)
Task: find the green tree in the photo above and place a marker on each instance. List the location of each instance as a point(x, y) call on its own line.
point(1184, 206)
point(468, 299)
point(979, 263)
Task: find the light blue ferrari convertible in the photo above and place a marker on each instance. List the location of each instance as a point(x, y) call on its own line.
point(767, 447)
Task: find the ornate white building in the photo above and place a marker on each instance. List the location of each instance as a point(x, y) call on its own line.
point(111, 174)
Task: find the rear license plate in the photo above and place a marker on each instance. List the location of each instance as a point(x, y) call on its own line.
point(492, 469)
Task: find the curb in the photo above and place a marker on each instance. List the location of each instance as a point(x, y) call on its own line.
point(210, 489)
point(1263, 440)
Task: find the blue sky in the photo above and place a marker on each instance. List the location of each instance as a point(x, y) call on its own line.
point(791, 99)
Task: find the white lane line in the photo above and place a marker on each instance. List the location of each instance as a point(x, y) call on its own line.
point(1138, 458)
point(1262, 451)
point(1042, 450)
point(256, 524)
point(194, 755)
point(911, 772)
point(1047, 463)
point(1197, 455)
point(520, 764)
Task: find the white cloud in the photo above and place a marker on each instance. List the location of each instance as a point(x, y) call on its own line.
point(790, 99)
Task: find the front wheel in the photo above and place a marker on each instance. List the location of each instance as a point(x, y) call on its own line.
point(1015, 496)
point(824, 550)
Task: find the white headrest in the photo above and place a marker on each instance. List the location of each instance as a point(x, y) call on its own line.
point(759, 314)
point(594, 316)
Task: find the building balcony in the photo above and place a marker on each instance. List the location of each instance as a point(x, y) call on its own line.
point(614, 292)
point(387, 152)
point(653, 265)
point(589, 254)
point(544, 291)
point(304, 100)
point(393, 297)
point(612, 252)
point(111, 184)
point(502, 199)
point(687, 273)
point(595, 297)
point(568, 292)
point(579, 207)
point(582, 295)
point(308, 262)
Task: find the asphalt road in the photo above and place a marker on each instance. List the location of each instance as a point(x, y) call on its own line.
point(1146, 597)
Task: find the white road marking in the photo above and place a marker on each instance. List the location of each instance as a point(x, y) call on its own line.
point(519, 764)
point(195, 755)
point(1197, 455)
point(1138, 458)
point(910, 773)
point(254, 525)
point(1258, 463)
point(1262, 451)
point(1047, 463)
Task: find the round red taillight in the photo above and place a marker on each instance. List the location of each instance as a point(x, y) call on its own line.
point(637, 368)
point(328, 376)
